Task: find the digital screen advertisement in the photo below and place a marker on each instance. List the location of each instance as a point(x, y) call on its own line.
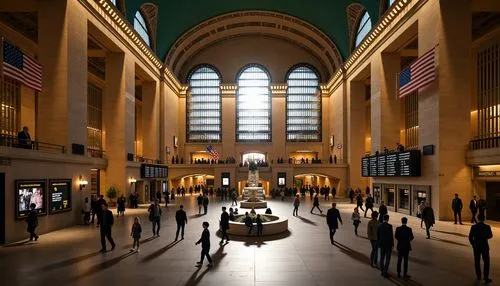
point(30, 192)
point(59, 195)
point(225, 181)
point(281, 179)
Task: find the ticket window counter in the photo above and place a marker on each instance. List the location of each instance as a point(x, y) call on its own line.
point(404, 199)
point(389, 197)
point(377, 193)
point(420, 194)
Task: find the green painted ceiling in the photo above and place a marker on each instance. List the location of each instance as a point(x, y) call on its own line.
point(176, 17)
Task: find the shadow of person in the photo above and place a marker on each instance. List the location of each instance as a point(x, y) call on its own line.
point(159, 252)
point(20, 243)
point(103, 266)
point(451, 233)
point(448, 241)
point(217, 257)
point(195, 216)
point(68, 262)
point(144, 241)
point(308, 221)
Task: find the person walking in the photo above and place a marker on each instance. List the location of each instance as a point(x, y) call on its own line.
point(234, 197)
point(456, 206)
point(199, 199)
point(121, 205)
point(385, 243)
point(86, 209)
point(478, 238)
point(205, 245)
point(296, 204)
point(382, 211)
point(368, 204)
point(356, 220)
point(94, 206)
point(372, 232)
point(282, 194)
point(182, 220)
point(473, 209)
point(205, 204)
point(332, 219)
point(482, 206)
point(404, 236)
point(260, 227)
point(420, 210)
point(32, 221)
point(359, 201)
point(316, 204)
point(428, 218)
point(224, 225)
point(135, 233)
point(105, 227)
point(100, 203)
point(351, 195)
point(154, 216)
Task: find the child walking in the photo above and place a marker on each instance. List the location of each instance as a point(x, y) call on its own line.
point(136, 233)
point(356, 220)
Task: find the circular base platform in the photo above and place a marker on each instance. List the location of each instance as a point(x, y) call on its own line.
point(255, 205)
point(269, 228)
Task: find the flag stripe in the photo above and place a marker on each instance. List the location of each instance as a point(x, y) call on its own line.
point(418, 75)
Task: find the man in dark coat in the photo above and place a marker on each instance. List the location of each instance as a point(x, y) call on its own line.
point(106, 224)
point(332, 219)
point(382, 211)
point(368, 204)
point(473, 209)
point(32, 221)
point(404, 236)
point(478, 237)
point(100, 203)
point(481, 206)
point(199, 199)
point(24, 138)
point(428, 218)
point(205, 245)
point(224, 225)
point(456, 206)
point(181, 219)
point(385, 243)
point(205, 204)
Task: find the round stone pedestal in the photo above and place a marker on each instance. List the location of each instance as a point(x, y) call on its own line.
point(255, 205)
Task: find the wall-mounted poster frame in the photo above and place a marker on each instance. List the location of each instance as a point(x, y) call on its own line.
point(59, 195)
point(28, 192)
point(281, 179)
point(225, 179)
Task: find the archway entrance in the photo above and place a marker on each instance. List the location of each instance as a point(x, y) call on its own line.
point(316, 180)
point(192, 184)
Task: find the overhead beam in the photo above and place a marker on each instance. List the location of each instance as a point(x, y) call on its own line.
point(409, 53)
point(18, 6)
point(485, 6)
point(96, 53)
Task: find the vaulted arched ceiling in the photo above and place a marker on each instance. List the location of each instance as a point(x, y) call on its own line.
point(175, 18)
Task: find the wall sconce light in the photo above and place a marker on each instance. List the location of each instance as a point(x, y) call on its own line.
point(132, 180)
point(82, 182)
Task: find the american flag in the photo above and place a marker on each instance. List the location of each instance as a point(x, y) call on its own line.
point(213, 152)
point(418, 75)
point(21, 67)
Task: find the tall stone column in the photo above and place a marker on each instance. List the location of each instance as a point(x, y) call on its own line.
point(62, 104)
point(278, 92)
point(356, 132)
point(385, 106)
point(150, 119)
point(229, 121)
point(118, 117)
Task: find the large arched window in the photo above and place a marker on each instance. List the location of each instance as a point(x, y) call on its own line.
point(303, 105)
point(364, 27)
point(203, 106)
point(253, 105)
point(141, 27)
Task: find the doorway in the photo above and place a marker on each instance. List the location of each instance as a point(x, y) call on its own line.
point(493, 200)
point(2, 208)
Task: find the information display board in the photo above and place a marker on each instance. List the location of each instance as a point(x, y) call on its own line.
point(30, 192)
point(149, 171)
point(400, 164)
point(59, 195)
point(225, 179)
point(281, 179)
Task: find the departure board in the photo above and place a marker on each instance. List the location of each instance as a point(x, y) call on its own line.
point(153, 171)
point(400, 164)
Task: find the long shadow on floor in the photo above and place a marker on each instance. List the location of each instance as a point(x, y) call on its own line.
point(67, 262)
point(196, 276)
point(308, 221)
point(103, 266)
point(451, 233)
point(364, 259)
point(20, 243)
point(195, 216)
point(245, 238)
point(448, 241)
point(159, 252)
point(144, 241)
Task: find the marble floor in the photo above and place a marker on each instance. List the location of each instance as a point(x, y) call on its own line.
point(304, 256)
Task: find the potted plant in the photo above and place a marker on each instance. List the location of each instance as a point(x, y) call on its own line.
point(111, 193)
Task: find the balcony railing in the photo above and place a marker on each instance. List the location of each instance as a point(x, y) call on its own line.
point(484, 143)
point(141, 159)
point(14, 142)
point(95, 153)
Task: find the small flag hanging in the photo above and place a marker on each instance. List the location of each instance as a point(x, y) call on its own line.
point(213, 153)
point(418, 75)
point(21, 67)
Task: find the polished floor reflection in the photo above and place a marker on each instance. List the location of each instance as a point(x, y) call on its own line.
point(303, 256)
